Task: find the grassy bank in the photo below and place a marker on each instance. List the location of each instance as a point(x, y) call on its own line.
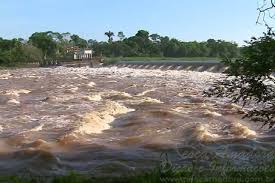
point(155, 177)
point(167, 174)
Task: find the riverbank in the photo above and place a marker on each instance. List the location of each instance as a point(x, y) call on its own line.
point(165, 174)
point(19, 65)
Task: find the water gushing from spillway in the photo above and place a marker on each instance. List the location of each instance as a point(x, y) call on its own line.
point(116, 120)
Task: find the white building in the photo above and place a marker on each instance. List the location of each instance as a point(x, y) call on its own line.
point(83, 54)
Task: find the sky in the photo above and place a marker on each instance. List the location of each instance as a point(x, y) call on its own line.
point(187, 20)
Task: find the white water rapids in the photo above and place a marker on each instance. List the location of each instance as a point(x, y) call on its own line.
point(117, 120)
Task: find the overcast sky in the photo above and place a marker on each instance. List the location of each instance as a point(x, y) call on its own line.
point(232, 20)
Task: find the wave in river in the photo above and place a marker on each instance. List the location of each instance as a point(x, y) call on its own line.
point(97, 121)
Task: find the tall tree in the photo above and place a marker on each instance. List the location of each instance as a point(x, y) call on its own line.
point(78, 41)
point(110, 36)
point(91, 42)
point(143, 34)
point(45, 42)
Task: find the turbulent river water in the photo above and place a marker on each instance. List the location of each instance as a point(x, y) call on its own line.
point(118, 120)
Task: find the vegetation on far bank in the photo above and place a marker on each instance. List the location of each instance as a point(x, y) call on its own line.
point(143, 45)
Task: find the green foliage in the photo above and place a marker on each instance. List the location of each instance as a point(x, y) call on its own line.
point(44, 41)
point(16, 52)
point(258, 58)
point(250, 79)
point(121, 36)
point(155, 38)
point(145, 45)
point(77, 41)
point(31, 53)
point(110, 36)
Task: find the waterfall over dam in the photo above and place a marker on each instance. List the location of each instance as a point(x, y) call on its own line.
point(200, 66)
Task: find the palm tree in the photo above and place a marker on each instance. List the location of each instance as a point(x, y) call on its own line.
point(110, 36)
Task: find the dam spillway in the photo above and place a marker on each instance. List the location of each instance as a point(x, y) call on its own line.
point(199, 66)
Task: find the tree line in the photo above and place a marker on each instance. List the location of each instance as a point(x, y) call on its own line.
point(144, 44)
point(53, 45)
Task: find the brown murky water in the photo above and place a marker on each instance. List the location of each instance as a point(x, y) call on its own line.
point(113, 121)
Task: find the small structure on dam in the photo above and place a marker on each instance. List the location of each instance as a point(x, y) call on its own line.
point(77, 53)
point(83, 54)
point(74, 57)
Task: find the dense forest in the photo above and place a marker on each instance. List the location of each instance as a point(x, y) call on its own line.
point(52, 45)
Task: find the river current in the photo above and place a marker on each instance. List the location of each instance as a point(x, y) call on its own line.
point(109, 121)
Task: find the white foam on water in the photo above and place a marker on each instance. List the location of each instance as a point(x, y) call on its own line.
point(126, 72)
point(239, 130)
point(17, 92)
point(197, 132)
point(5, 76)
point(97, 121)
point(118, 94)
point(82, 76)
point(37, 128)
point(145, 92)
point(13, 101)
point(149, 100)
point(212, 113)
point(72, 90)
point(202, 133)
point(95, 98)
point(182, 94)
point(91, 84)
point(182, 110)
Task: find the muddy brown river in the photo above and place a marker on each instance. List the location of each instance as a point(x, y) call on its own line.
point(109, 121)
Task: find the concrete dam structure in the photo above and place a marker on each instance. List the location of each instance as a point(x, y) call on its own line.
point(199, 66)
